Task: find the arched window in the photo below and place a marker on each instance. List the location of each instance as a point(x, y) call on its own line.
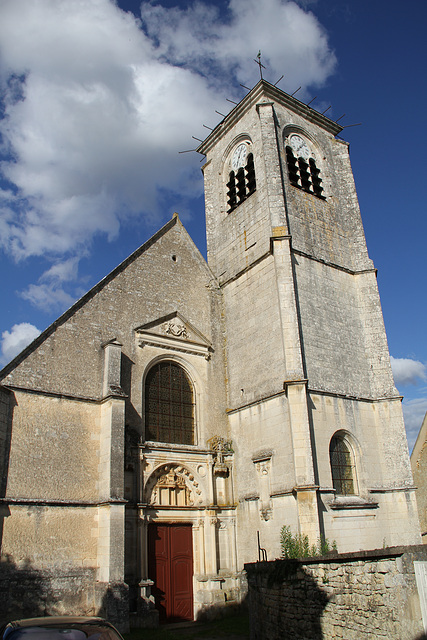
point(342, 466)
point(302, 170)
point(242, 182)
point(169, 404)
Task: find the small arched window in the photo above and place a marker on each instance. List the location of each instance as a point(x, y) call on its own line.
point(169, 404)
point(342, 466)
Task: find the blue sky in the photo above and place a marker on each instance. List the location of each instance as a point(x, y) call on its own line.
point(97, 99)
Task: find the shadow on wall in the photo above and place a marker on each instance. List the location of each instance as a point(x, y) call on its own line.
point(24, 592)
point(295, 588)
point(222, 610)
point(115, 605)
point(27, 592)
point(132, 417)
point(7, 405)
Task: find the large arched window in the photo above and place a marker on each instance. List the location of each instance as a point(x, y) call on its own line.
point(342, 466)
point(169, 404)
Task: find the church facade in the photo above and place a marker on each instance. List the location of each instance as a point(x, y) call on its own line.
point(170, 423)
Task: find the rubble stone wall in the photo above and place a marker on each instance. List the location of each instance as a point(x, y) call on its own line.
point(368, 594)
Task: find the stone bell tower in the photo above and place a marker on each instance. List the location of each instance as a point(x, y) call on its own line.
point(314, 416)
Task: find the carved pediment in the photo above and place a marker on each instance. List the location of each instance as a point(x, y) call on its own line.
point(173, 332)
point(173, 485)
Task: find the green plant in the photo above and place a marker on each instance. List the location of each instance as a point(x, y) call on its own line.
point(298, 545)
point(325, 547)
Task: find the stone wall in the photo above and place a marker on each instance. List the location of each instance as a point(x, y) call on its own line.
point(29, 592)
point(5, 415)
point(369, 594)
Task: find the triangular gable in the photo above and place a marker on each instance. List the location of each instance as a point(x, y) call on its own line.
point(94, 291)
point(174, 333)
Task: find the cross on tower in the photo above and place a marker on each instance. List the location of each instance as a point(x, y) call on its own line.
point(259, 63)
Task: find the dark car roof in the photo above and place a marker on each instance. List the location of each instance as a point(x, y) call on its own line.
point(42, 622)
point(80, 624)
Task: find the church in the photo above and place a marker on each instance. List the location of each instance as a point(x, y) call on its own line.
point(161, 432)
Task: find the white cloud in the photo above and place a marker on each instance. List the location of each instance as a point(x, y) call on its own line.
point(16, 339)
point(291, 40)
point(97, 105)
point(62, 271)
point(49, 294)
point(48, 297)
point(407, 371)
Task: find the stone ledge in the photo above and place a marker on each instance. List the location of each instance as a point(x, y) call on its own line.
point(352, 503)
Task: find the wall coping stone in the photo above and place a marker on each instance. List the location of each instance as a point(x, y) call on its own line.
point(354, 556)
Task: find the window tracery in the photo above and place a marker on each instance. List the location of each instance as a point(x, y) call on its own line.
point(169, 404)
point(342, 466)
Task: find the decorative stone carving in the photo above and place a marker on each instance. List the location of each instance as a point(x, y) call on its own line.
point(171, 489)
point(176, 328)
point(174, 486)
point(221, 447)
point(174, 333)
point(201, 470)
point(263, 468)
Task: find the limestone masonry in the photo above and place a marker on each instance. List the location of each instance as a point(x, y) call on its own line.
point(180, 407)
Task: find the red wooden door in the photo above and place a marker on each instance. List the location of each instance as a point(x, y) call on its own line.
point(170, 566)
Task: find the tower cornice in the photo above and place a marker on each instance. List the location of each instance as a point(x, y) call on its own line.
point(260, 92)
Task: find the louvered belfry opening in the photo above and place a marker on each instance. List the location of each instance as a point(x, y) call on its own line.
point(169, 404)
point(232, 192)
point(342, 467)
point(315, 179)
point(304, 175)
point(250, 174)
point(241, 184)
point(293, 170)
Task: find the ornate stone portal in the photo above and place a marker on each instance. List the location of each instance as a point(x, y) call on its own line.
point(197, 493)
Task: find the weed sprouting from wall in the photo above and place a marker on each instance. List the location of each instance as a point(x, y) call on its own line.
point(298, 545)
